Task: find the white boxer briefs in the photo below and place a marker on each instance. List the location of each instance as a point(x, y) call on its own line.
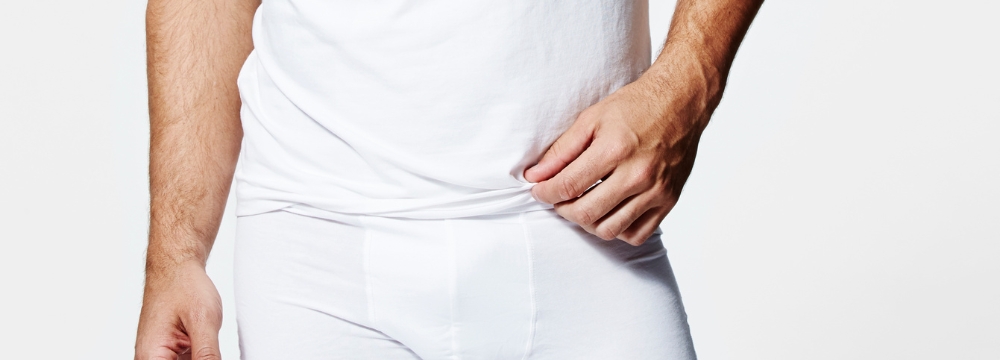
point(527, 285)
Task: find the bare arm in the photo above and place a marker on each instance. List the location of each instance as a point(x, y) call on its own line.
point(195, 49)
point(700, 47)
point(642, 139)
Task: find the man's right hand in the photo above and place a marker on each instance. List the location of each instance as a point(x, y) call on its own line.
point(181, 315)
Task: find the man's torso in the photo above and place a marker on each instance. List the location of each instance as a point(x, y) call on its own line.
point(422, 109)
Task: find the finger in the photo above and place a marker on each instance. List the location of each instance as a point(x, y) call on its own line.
point(567, 147)
point(159, 354)
point(643, 227)
point(599, 201)
point(160, 337)
point(594, 163)
point(203, 329)
point(624, 215)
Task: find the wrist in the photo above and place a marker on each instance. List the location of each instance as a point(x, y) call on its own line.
point(166, 257)
point(685, 87)
point(162, 276)
point(160, 265)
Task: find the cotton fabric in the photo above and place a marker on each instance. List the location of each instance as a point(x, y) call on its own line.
point(530, 285)
point(425, 109)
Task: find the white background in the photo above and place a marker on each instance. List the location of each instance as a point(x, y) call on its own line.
point(845, 203)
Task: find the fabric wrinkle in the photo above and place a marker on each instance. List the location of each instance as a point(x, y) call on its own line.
point(465, 120)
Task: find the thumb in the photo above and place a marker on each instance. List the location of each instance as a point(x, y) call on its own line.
point(564, 150)
point(203, 330)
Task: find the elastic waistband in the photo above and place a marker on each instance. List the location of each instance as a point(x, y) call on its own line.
point(355, 219)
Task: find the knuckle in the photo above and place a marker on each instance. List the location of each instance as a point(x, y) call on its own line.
point(637, 241)
point(206, 353)
point(661, 191)
point(584, 216)
point(641, 177)
point(633, 239)
point(646, 172)
point(588, 114)
point(556, 150)
point(616, 151)
point(619, 229)
point(606, 233)
point(566, 190)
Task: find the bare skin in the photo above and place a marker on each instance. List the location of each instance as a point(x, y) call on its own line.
point(195, 49)
point(642, 139)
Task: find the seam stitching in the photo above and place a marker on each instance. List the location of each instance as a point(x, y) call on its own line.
point(452, 287)
point(366, 264)
point(531, 287)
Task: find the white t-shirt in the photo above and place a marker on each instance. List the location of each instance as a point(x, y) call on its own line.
point(421, 109)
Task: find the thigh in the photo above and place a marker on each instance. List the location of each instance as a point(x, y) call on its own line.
point(598, 299)
point(300, 291)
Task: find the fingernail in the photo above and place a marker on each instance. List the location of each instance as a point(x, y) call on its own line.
point(533, 194)
point(528, 170)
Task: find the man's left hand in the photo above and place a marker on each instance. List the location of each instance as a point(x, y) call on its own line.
point(641, 142)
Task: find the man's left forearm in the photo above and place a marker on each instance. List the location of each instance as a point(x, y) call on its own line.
point(693, 66)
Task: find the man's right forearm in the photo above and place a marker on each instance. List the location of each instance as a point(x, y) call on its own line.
point(195, 49)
